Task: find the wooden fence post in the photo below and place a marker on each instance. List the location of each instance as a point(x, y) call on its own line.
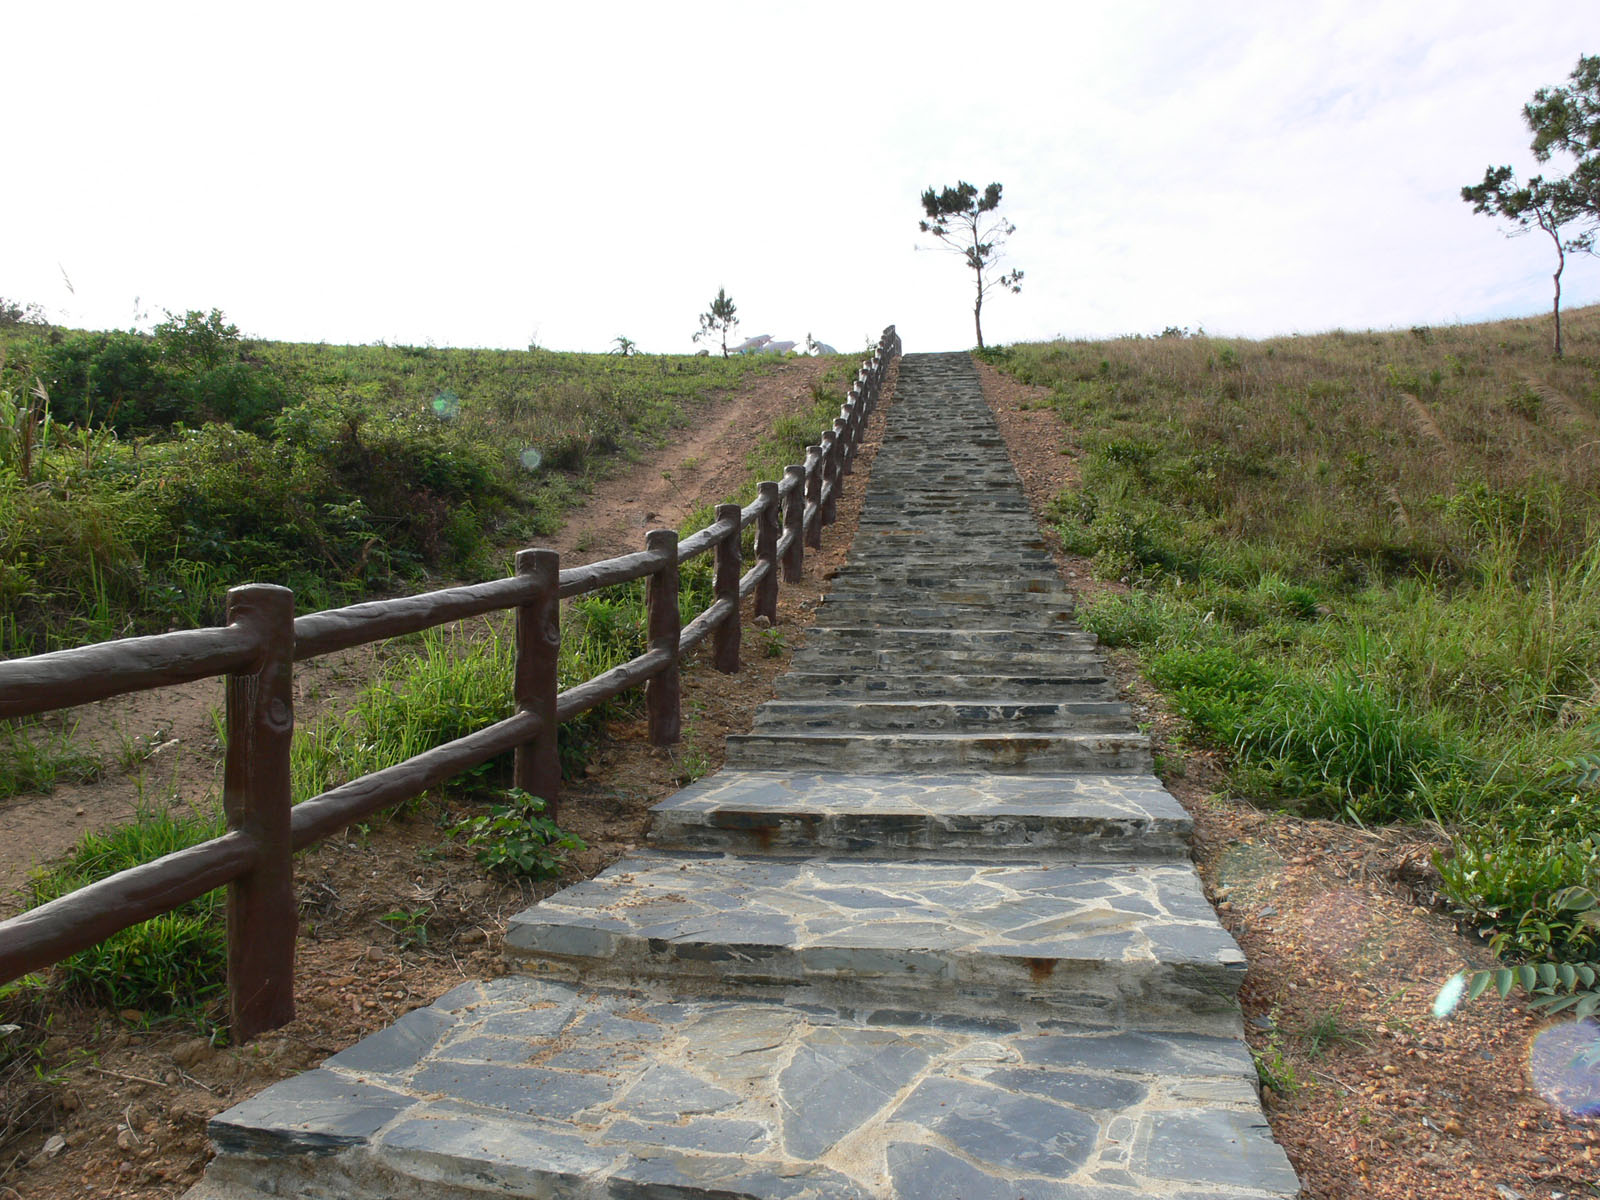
point(662, 693)
point(725, 586)
point(830, 475)
point(794, 523)
point(814, 495)
point(537, 768)
point(263, 916)
point(767, 551)
point(847, 445)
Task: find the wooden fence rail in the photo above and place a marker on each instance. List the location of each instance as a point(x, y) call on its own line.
point(257, 649)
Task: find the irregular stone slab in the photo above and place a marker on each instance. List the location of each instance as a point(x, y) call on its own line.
point(943, 716)
point(1083, 816)
point(1017, 753)
point(1089, 682)
point(1086, 940)
point(848, 1107)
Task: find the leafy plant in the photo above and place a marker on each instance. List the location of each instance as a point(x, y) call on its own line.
point(516, 838)
point(718, 321)
point(409, 926)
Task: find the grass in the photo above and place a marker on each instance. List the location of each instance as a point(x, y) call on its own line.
point(35, 759)
point(1367, 565)
point(122, 460)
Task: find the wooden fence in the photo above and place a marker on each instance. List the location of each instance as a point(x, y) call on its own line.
point(257, 649)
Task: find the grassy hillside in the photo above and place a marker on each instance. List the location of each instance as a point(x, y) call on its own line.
point(1368, 566)
point(141, 475)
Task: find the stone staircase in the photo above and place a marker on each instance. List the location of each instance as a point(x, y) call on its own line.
point(932, 933)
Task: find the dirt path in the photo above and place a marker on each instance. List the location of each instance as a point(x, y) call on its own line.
point(163, 747)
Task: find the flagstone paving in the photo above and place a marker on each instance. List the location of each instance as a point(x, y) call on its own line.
point(932, 934)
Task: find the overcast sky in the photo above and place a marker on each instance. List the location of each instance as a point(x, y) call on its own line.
point(495, 174)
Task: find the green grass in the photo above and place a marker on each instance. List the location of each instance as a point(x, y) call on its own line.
point(142, 476)
point(35, 759)
point(171, 964)
point(1367, 565)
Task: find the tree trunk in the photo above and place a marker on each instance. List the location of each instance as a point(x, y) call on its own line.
point(1562, 267)
point(977, 319)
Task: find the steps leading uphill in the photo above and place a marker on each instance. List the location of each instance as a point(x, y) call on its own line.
point(932, 933)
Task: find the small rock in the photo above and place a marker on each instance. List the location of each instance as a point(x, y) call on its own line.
point(471, 937)
point(374, 954)
point(131, 1015)
point(126, 1140)
point(1506, 1193)
point(1454, 1127)
point(54, 1145)
point(195, 1050)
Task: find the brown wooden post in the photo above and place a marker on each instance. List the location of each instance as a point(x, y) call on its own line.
point(767, 551)
point(537, 768)
point(841, 434)
point(814, 495)
point(830, 474)
point(725, 586)
point(794, 523)
point(262, 911)
point(662, 695)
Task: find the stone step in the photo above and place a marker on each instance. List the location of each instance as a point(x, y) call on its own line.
point(1089, 941)
point(1084, 817)
point(1044, 640)
point(941, 716)
point(852, 579)
point(522, 1087)
point(955, 661)
point(887, 614)
point(1088, 683)
point(973, 605)
point(1022, 753)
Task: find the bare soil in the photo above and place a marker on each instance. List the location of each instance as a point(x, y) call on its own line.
point(116, 1103)
point(1348, 945)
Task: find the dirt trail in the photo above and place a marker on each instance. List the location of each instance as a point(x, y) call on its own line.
point(163, 746)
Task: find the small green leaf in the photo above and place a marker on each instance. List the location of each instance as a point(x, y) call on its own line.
point(1547, 975)
point(1502, 981)
point(1480, 983)
point(1527, 977)
point(1568, 975)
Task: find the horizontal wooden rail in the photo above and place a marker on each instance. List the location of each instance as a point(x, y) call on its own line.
point(33, 940)
point(378, 620)
point(350, 802)
point(262, 640)
point(66, 678)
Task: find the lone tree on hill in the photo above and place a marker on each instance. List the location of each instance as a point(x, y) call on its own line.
point(964, 221)
point(720, 320)
point(1565, 119)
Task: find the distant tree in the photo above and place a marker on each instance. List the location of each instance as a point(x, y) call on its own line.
point(719, 320)
point(624, 346)
point(1567, 120)
point(967, 225)
point(14, 312)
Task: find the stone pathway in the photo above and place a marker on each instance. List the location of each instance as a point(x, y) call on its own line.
point(931, 934)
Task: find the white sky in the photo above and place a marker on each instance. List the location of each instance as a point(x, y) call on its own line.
point(487, 174)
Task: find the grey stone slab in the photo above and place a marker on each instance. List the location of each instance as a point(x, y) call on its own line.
point(319, 1112)
point(1001, 933)
point(1223, 1147)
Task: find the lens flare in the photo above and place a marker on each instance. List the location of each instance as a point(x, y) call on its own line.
point(531, 458)
point(1449, 996)
point(446, 405)
point(1565, 1065)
